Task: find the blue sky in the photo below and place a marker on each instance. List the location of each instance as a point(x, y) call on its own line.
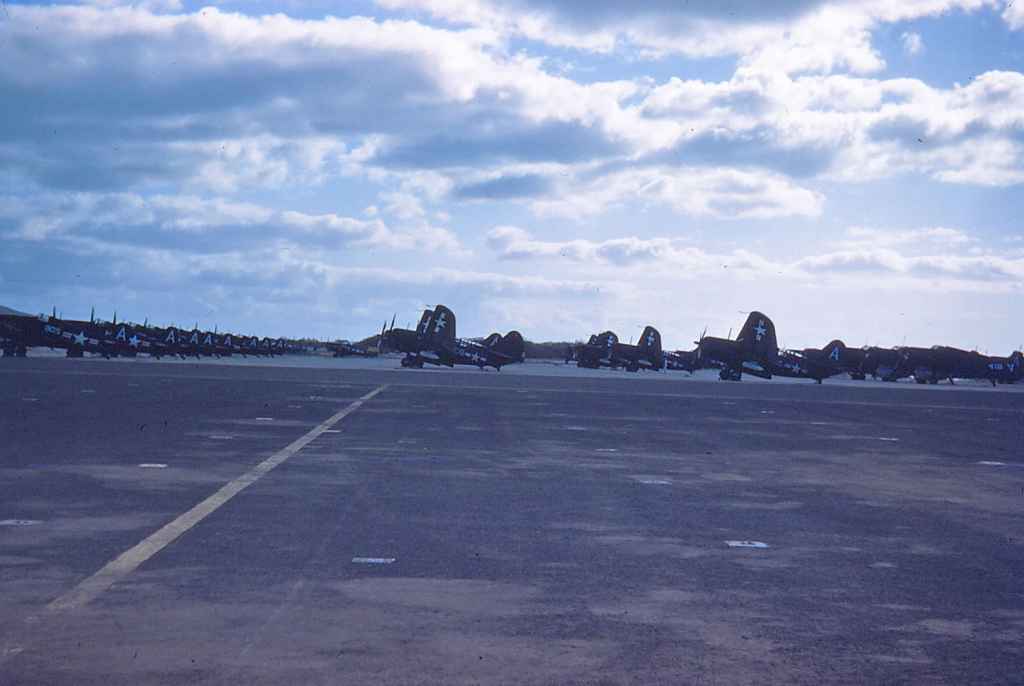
point(853, 168)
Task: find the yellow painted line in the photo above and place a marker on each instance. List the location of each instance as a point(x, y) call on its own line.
point(128, 561)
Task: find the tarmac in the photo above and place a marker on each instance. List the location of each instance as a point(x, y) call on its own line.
point(346, 521)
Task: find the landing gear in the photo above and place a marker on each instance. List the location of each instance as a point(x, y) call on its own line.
point(75, 352)
point(857, 376)
point(633, 367)
point(730, 375)
point(412, 362)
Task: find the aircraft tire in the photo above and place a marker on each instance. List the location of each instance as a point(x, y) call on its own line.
point(857, 377)
point(920, 381)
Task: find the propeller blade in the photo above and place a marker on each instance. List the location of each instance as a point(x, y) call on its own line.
point(92, 316)
point(730, 334)
point(395, 316)
point(115, 318)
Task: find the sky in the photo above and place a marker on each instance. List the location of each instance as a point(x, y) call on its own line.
point(852, 168)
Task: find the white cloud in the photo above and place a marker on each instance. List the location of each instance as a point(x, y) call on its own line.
point(797, 36)
point(1013, 14)
point(720, 192)
point(912, 43)
point(129, 217)
point(932, 258)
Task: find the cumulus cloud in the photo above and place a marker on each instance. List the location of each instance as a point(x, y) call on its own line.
point(912, 42)
point(792, 36)
point(930, 258)
point(211, 225)
point(1013, 14)
point(720, 192)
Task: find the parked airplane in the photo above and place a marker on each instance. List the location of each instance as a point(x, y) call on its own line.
point(755, 350)
point(818, 363)
point(435, 342)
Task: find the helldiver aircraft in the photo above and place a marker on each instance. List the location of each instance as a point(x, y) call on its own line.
point(435, 342)
point(605, 350)
point(681, 360)
point(1006, 370)
point(931, 365)
point(343, 348)
point(597, 351)
point(755, 350)
point(820, 363)
point(19, 332)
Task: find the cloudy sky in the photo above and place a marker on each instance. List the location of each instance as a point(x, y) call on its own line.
point(852, 168)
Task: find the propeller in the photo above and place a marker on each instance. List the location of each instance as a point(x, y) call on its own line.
point(54, 311)
point(115, 318)
point(92, 316)
point(730, 334)
point(702, 335)
point(380, 341)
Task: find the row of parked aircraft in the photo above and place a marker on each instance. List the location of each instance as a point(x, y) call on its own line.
point(433, 342)
point(18, 333)
point(755, 351)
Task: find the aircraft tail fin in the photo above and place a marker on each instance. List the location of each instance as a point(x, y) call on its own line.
point(758, 335)
point(442, 330)
point(423, 328)
point(1016, 364)
point(649, 346)
point(835, 352)
point(513, 345)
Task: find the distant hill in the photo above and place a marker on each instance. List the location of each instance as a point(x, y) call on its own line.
point(7, 310)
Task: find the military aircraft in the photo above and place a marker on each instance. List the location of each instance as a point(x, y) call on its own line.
point(681, 360)
point(350, 349)
point(435, 342)
point(18, 332)
point(755, 350)
point(931, 365)
point(1006, 370)
point(820, 363)
point(597, 351)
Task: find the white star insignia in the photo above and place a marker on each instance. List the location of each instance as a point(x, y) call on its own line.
point(80, 338)
point(134, 341)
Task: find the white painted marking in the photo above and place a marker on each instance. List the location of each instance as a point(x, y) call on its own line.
point(819, 423)
point(575, 428)
point(886, 438)
point(333, 431)
point(767, 411)
point(373, 560)
point(221, 437)
point(746, 544)
point(264, 419)
point(18, 522)
point(153, 465)
point(655, 482)
point(128, 561)
point(994, 463)
point(11, 652)
point(606, 450)
point(87, 390)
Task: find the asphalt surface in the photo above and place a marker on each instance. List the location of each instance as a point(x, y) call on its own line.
point(514, 528)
